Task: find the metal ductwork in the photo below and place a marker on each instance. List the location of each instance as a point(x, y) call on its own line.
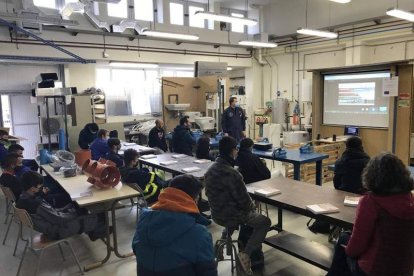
point(94, 19)
point(126, 24)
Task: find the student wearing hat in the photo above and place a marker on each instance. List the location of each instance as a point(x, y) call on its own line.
point(171, 237)
point(114, 145)
point(348, 168)
point(250, 165)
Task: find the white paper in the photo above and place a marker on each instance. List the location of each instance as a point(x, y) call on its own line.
point(390, 87)
point(148, 156)
point(166, 163)
point(191, 169)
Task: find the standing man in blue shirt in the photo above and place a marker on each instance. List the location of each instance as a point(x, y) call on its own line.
point(233, 121)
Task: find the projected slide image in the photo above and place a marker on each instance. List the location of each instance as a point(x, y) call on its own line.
point(361, 93)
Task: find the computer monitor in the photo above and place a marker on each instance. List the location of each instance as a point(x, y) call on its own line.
point(351, 131)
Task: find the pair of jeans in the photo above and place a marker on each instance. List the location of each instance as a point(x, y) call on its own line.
point(342, 265)
point(260, 225)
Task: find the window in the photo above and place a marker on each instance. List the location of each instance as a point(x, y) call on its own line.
point(238, 28)
point(194, 20)
point(51, 4)
point(144, 10)
point(118, 10)
point(176, 14)
point(6, 113)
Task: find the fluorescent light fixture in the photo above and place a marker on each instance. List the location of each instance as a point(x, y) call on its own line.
point(317, 33)
point(225, 18)
point(341, 1)
point(401, 14)
point(229, 68)
point(133, 65)
point(169, 35)
point(257, 44)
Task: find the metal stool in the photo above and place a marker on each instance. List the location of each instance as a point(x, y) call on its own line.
point(231, 249)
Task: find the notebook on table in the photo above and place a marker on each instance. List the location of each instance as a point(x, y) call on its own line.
point(351, 201)
point(267, 192)
point(177, 156)
point(167, 163)
point(148, 156)
point(324, 208)
point(202, 161)
point(191, 169)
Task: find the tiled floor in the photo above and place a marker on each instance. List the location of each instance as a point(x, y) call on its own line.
point(277, 263)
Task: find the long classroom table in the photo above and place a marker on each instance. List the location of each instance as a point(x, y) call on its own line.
point(177, 168)
point(294, 197)
point(104, 199)
point(296, 158)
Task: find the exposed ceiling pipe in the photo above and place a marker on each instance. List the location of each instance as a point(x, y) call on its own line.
point(46, 42)
point(83, 45)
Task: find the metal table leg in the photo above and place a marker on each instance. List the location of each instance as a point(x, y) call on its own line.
point(296, 171)
point(319, 172)
point(114, 234)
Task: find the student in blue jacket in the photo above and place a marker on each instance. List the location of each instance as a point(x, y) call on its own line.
point(99, 147)
point(171, 238)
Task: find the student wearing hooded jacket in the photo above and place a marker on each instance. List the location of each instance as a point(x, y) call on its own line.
point(171, 237)
point(382, 241)
point(183, 141)
point(250, 165)
point(348, 168)
point(87, 135)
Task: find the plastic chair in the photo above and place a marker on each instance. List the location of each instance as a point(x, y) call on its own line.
point(39, 242)
point(141, 202)
point(10, 200)
point(231, 249)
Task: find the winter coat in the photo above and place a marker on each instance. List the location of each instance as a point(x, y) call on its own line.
point(183, 141)
point(227, 194)
point(172, 240)
point(116, 158)
point(348, 171)
point(13, 182)
point(382, 238)
point(148, 181)
point(156, 139)
point(86, 137)
point(233, 122)
point(55, 223)
point(251, 167)
point(99, 148)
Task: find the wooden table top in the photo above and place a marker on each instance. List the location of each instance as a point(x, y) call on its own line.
point(78, 184)
point(176, 168)
point(296, 195)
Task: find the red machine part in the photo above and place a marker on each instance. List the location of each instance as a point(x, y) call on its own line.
point(103, 174)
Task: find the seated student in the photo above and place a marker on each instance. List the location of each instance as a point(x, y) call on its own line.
point(4, 143)
point(230, 202)
point(182, 140)
point(250, 165)
point(156, 137)
point(113, 134)
point(348, 168)
point(114, 146)
point(8, 177)
point(56, 223)
point(28, 163)
point(148, 181)
point(203, 148)
point(382, 240)
point(99, 147)
point(87, 135)
point(171, 237)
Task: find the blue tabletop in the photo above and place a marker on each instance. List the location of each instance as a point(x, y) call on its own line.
point(292, 156)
